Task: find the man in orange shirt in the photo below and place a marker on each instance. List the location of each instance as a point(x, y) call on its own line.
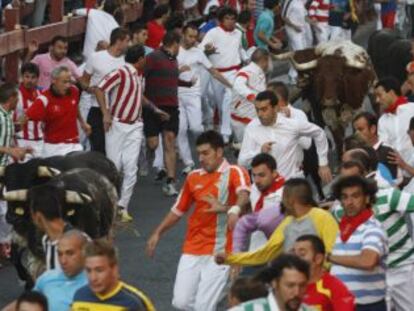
point(218, 191)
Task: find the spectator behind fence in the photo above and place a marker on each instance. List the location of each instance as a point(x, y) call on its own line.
point(56, 57)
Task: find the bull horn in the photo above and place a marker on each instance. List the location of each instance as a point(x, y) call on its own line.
point(2, 170)
point(305, 66)
point(46, 171)
point(283, 56)
point(355, 64)
point(77, 197)
point(15, 195)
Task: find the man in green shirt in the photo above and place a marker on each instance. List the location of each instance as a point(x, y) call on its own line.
point(265, 26)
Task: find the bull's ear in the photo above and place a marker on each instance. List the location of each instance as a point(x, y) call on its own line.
point(46, 171)
point(2, 171)
point(15, 195)
point(74, 197)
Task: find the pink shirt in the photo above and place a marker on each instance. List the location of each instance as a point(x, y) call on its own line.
point(47, 65)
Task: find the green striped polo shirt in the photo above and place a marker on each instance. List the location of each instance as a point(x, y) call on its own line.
point(6, 133)
point(390, 208)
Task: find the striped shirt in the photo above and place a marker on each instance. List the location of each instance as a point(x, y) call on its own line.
point(367, 286)
point(390, 209)
point(6, 133)
point(32, 130)
point(124, 87)
point(319, 9)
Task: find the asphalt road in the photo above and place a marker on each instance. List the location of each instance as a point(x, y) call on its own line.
point(148, 206)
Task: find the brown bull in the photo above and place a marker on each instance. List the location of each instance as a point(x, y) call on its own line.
point(334, 83)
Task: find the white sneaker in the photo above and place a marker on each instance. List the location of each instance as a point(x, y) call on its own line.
point(186, 170)
point(169, 189)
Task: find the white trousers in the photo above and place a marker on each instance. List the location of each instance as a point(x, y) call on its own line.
point(51, 150)
point(223, 99)
point(339, 33)
point(5, 228)
point(322, 32)
point(36, 145)
point(298, 41)
point(159, 155)
point(400, 285)
point(238, 130)
point(190, 119)
point(123, 144)
point(199, 283)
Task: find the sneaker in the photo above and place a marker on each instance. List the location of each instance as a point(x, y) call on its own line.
point(169, 189)
point(125, 217)
point(160, 175)
point(186, 170)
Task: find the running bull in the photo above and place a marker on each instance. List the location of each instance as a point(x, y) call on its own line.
point(335, 77)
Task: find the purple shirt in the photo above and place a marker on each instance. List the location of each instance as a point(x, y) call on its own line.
point(47, 65)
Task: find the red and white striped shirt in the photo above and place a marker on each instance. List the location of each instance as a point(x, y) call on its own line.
point(124, 87)
point(32, 130)
point(319, 9)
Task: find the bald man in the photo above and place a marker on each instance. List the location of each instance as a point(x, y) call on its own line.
point(59, 286)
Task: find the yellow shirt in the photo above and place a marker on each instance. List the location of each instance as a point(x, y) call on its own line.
point(317, 222)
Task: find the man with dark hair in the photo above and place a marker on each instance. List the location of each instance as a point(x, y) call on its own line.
point(32, 301)
point(29, 135)
point(265, 26)
point(284, 274)
point(244, 289)
point(303, 217)
point(156, 26)
point(265, 199)
point(189, 98)
point(139, 35)
point(360, 268)
point(391, 209)
point(105, 290)
point(100, 24)
point(279, 136)
point(97, 67)
point(215, 190)
point(397, 113)
point(224, 47)
point(365, 125)
point(56, 57)
point(161, 88)
point(122, 120)
point(249, 81)
point(324, 292)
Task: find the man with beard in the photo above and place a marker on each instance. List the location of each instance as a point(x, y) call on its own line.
point(56, 57)
point(287, 278)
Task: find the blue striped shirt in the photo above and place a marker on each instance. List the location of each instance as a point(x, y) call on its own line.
point(367, 286)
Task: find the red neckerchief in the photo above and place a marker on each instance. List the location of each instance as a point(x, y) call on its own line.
point(225, 29)
point(276, 185)
point(28, 94)
point(400, 101)
point(348, 225)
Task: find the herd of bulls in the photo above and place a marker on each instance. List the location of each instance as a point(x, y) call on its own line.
point(82, 186)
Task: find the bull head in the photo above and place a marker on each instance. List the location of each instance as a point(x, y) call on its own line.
point(298, 66)
point(46, 171)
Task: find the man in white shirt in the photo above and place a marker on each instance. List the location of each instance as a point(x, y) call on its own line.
point(250, 80)
point(192, 59)
point(224, 45)
point(99, 25)
point(395, 120)
point(279, 136)
point(98, 66)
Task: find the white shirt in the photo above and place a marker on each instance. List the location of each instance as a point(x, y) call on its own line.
point(98, 66)
point(228, 44)
point(272, 200)
point(196, 59)
point(285, 134)
point(250, 80)
point(99, 27)
point(392, 130)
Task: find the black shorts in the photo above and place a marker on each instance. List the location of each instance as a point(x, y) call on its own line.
point(153, 125)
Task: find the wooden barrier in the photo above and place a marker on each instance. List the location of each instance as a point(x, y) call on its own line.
point(15, 39)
